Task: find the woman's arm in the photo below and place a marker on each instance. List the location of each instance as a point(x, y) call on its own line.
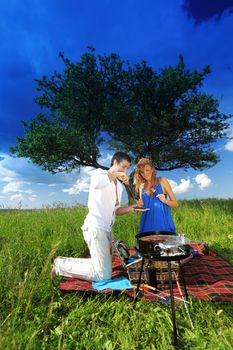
point(171, 202)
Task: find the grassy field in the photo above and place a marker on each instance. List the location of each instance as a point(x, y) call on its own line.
point(35, 315)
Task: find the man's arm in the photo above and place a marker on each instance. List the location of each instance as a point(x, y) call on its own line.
point(102, 179)
point(99, 180)
point(125, 210)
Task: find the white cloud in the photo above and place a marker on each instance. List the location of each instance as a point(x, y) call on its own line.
point(20, 169)
point(7, 175)
point(23, 181)
point(183, 187)
point(203, 181)
point(82, 185)
point(106, 160)
point(17, 197)
point(51, 194)
point(32, 198)
point(14, 186)
point(28, 191)
point(19, 180)
point(229, 146)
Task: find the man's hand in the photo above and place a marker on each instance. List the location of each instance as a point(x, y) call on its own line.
point(113, 175)
point(133, 210)
point(122, 176)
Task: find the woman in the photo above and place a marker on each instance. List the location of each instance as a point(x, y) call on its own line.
point(157, 195)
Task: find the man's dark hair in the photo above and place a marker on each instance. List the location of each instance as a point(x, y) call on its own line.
point(119, 156)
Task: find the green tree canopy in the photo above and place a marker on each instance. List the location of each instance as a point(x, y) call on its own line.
point(160, 114)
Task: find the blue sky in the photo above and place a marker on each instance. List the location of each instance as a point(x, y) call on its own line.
point(32, 34)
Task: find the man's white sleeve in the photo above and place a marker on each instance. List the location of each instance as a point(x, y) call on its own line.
point(99, 180)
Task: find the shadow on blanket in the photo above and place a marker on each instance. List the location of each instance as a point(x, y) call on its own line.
point(207, 276)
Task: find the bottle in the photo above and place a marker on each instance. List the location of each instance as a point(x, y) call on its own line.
point(151, 274)
point(182, 238)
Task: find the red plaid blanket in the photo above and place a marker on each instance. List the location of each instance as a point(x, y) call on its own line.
point(207, 276)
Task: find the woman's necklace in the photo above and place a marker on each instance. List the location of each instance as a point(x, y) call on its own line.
point(151, 188)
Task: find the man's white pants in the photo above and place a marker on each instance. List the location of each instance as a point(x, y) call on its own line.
point(96, 268)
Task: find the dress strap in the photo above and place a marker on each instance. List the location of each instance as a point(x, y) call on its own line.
point(159, 182)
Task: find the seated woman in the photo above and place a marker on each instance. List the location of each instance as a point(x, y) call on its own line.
point(157, 195)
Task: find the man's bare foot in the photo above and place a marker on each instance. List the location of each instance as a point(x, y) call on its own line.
point(53, 271)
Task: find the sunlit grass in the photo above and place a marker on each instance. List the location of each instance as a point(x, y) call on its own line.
point(35, 315)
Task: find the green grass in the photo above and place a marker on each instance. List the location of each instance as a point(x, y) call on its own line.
point(35, 315)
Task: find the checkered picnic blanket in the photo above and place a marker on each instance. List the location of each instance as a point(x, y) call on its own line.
point(207, 276)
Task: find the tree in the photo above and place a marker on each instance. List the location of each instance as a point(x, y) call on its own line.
point(167, 118)
point(162, 115)
point(68, 132)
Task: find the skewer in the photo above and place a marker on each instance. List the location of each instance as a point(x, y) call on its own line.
point(181, 293)
point(131, 192)
point(161, 291)
point(133, 262)
point(142, 289)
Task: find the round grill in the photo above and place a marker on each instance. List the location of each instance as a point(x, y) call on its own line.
point(165, 246)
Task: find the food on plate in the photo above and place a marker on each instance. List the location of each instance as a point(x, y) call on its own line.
point(138, 208)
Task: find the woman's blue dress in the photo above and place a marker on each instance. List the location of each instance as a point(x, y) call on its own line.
point(158, 218)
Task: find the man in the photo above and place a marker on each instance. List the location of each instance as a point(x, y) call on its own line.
point(103, 204)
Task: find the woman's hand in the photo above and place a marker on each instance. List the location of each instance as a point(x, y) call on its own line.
point(162, 198)
point(172, 202)
point(140, 203)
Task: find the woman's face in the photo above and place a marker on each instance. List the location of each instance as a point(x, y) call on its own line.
point(147, 172)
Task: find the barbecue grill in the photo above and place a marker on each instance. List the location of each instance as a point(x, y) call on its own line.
point(164, 246)
point(170, 247)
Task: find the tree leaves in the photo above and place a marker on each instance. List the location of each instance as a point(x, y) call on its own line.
point(160, 114)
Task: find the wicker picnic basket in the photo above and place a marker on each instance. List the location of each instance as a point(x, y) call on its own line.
point(158, 268)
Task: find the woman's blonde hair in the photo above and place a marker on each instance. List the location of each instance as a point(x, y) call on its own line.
point(140, 179)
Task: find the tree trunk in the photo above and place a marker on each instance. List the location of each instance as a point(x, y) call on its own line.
point(130, 189)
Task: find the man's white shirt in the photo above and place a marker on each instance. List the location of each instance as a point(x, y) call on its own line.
point(102, 201)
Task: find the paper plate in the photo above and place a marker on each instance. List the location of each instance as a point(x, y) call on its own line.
point(141, 209)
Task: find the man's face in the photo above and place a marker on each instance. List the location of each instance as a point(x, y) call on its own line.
point(122, 166)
